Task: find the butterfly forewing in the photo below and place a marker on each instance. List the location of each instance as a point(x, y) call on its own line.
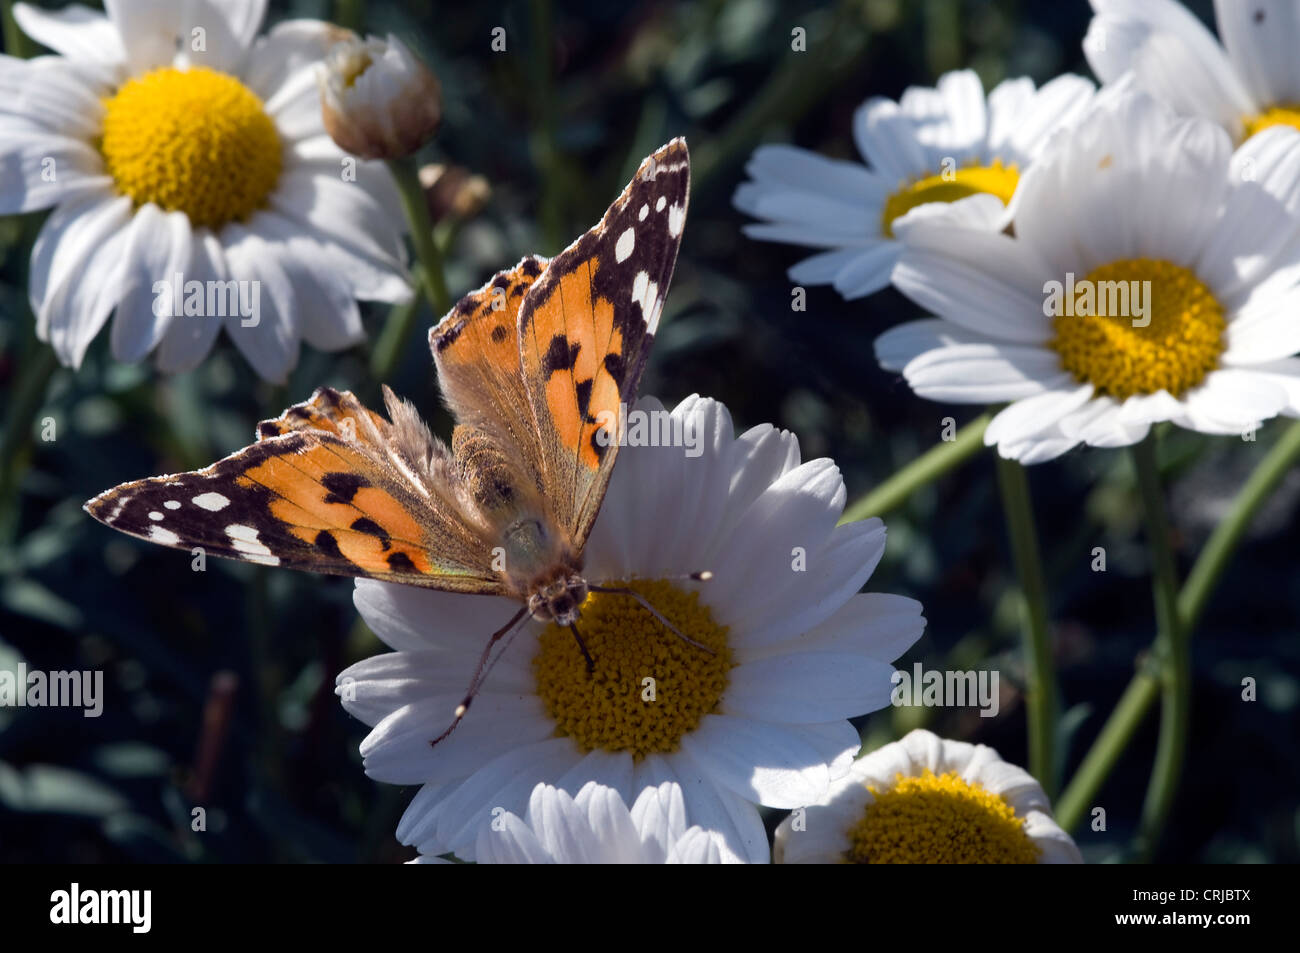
point(585, 330)
point(329, 487)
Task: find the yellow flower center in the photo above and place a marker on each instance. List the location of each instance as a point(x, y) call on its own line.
point(649, 687)
point(1283, 115)
point(194, 141)
point(950, 185)
point(939, 819)
point(1138, 326)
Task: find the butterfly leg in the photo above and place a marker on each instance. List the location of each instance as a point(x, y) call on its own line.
point(480, 673)
point(582, 647)
point(620, 591)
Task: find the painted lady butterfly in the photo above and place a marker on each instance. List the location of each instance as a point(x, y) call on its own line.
point(534, 366)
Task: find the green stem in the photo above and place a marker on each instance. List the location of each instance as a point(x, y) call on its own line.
point(926, 468)
point(1143, 690)
point(1172, 654)
point(17, 42)
point(1132, 707)
point(406, 173)
point(350, 14)
point(1040, 692)
point(1223, 542)
point(546, 154)
point(390, 345)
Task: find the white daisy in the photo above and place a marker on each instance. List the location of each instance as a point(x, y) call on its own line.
point(1248, 83)
point(928, 800)
point(171, 142)
point(1152, 277)
point(934, 145)
point(596, 827)
point(797, 650)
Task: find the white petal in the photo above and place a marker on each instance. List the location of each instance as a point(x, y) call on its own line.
point(774, 765)
point(158, 250)
point(189, 337)
point(75, 31)
point(268, 337)
point(1034, 415)
point(1171, 54)
point(808, 687)
point(984, 373)
point(900, 344)
point(37, 171)
point(1261, 40)
point(76, 268)
point(988, 283)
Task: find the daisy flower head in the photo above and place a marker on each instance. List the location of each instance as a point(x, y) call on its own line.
point(596, 827)
point(759, 715)
point(193, 186)
point(932, 146)
point(928, 800)
point(1152, 277)
point(1245, 81)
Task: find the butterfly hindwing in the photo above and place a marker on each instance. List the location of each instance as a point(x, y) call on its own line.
point(329, 487)
point(585, 330)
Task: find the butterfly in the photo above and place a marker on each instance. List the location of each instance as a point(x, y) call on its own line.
point(533, 366)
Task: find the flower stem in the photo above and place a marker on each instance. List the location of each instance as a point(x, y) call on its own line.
point(1132, 707)
point(1223, 542)
point(926, 468)
point(406, 173)
point(1040, 691)
point(1172, 654)
point(16, 42)
point(1143, 690)
point(390, 344)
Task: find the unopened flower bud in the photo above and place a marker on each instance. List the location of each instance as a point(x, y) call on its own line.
point(454, 192)
point(378, 101)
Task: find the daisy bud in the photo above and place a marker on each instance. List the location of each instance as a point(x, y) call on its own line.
point(377, 100)
point(453, 191)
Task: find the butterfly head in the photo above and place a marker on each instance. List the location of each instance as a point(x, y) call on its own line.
point(558, 600)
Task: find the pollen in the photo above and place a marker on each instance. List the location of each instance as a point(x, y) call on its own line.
point(1283, 115)
point(649, 687)
point(939, 819)
point(191, 140)
point(950, 185)
point(1169, 343)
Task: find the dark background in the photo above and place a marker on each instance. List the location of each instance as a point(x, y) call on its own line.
point(556, 124)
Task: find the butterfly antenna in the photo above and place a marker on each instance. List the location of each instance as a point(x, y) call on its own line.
point(624, 591)
point(481, 672)
point(582, 646)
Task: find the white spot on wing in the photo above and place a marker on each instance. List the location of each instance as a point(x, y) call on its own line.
point(164, 536)
point(626, 242)
point(676, 217)
point(646, 293)
point(659, 206)
point(645, 210)
point(155, 515)
point(212, 502)
point(244, 540)
point(172, 504)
